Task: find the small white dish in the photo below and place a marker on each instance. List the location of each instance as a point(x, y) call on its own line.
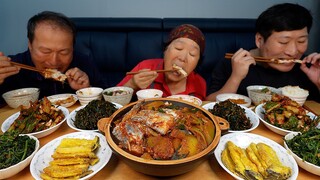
point(312, 168)
point(72, 117)
point(254, 119)
point(43, 156)
point(15, 169)
point(55, 99)
point(149, 93)
point(225, 96)
point(243, 140)
point(260, 112)
point(7, 123)
point(187, 98)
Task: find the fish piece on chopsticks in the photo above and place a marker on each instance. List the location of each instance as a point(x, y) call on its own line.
point(180, 70)
point(54, 74)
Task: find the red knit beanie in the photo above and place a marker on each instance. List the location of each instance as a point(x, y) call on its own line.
point(188, 31)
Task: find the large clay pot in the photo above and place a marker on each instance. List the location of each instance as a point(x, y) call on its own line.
point(162, 167)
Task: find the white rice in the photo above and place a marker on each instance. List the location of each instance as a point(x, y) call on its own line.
point(295, 91)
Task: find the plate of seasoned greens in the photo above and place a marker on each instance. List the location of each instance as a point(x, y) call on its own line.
point(85, 118)
point(240, 118)
point(305, 149)
point(16, 152)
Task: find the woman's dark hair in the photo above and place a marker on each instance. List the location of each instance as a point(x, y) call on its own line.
point(56, 19)
point(283, 17)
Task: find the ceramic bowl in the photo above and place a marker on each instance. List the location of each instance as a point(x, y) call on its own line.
point(86, 95)
point(161, 167)
point(260, 112)
point(188, 98)
point(15, 169)
point(7, 123)
point(312, 168)
point(234, 97)
point(121, 95)
point(254, 119)
point(23, 96)
point(149, 93)
point(295, 93)
point(258, 97)
point(65, 100)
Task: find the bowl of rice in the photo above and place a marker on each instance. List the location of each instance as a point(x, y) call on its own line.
point(295, 93)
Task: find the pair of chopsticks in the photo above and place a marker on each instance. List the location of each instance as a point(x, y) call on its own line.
point(158, 71)
point(267, 59)
point(23, 66)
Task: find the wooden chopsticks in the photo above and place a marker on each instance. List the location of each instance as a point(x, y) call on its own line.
point(158, 71)
point(23, 66)
point(267, 59)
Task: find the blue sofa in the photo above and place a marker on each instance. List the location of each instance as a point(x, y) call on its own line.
point(118, 44)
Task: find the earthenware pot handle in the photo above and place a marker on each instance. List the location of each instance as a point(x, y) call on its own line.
point(102, 124)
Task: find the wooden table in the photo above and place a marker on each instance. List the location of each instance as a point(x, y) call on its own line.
point(116, 169)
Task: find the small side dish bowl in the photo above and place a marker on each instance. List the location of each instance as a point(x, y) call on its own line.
point(258, 96)
point(23, 96)
point(149, 93)
point(236, 98)
point(243, 140)
point(312, 168)
point(295, 93)
point(187, 98)
point(154, 167)
point(121, 94)
point(7, 123)
point(86, 95)
point(254, 119)
point(15, 169)
point(65, 100)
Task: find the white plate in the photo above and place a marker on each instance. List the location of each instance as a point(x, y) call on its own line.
point(43, 156)
point(254, 119)
point(243, 140)
point(72, 117)
point(15, 169)
point(260, 112)
point(188, 98)
point(7, 123)
point(60, 97)
point(312, 168)
point(225, 96)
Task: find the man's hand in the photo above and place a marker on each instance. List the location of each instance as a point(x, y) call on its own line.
point(6, 68)
point(77, 79)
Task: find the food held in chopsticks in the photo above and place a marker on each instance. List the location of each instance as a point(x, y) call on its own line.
point(257, 161)
point(72, 159)
point(180, 70)
point(54, 74)
point(269, 59)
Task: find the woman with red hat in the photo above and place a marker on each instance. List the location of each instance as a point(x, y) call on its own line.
point(183, 51)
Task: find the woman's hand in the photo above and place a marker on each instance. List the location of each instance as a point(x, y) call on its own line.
point(240, 62)
point(142, 80)
point(6, 68)
point(313, 72)
point(77, 79)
